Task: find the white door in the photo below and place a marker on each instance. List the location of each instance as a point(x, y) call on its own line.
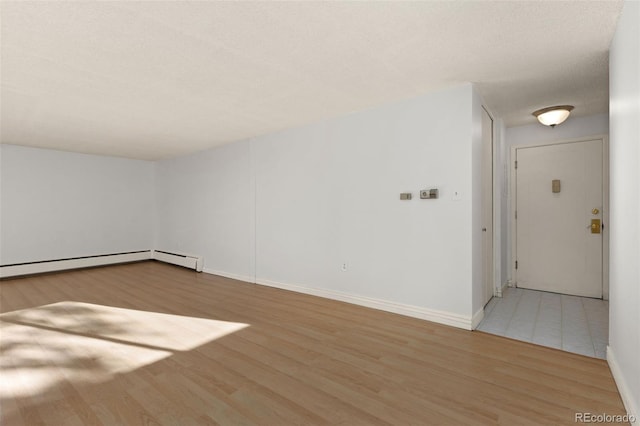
point(487, 206)
point(558, 227)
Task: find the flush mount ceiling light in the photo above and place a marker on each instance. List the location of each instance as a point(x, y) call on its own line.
point(552, 116)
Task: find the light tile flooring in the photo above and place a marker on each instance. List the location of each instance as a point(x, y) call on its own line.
point(571, 323)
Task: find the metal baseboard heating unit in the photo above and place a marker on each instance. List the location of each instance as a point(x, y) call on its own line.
point(181, 259)
point(39, 267)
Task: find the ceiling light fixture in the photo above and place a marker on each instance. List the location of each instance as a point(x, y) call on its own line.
point(552, 116)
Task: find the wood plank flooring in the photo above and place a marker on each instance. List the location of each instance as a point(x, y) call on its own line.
point(153, 344)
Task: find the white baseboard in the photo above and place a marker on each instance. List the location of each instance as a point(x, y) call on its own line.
point(75, 263)
point(441, 317)
point(477, 317)
point(190, 261)
point(181, 259)
point(630, 404)
point(500, 291)
point(238, 277)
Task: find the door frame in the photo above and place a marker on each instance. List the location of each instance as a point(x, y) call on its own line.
point(496, 247)
point(605, 202)
point(488, 199)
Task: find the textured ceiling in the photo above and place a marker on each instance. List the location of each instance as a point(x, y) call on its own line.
point(158, 79)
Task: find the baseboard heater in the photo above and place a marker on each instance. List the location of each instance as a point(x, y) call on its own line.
point(38, 267)
point(181, 259)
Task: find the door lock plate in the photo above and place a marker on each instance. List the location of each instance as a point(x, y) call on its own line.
point(595, 226)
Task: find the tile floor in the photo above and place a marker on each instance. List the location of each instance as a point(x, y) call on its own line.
point(571, 323)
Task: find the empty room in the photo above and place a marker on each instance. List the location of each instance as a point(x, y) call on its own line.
point(319, 213)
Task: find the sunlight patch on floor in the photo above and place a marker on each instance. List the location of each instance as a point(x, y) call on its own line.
point(86, 343)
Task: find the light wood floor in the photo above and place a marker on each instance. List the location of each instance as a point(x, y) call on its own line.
point(149, 343)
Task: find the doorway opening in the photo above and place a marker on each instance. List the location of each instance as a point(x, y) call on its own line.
point(559, 206)
point(559, 288)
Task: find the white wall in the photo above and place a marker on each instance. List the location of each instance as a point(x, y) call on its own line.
point(205, 206)
point(56, 205)
point(573, 128)
point(624, 305)
point(328, 194)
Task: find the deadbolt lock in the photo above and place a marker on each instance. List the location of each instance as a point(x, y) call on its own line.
point(595, 226)
point(595, 211)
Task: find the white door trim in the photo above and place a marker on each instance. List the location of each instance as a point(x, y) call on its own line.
point(488, 194)
point(605, 214)
point(495, 187)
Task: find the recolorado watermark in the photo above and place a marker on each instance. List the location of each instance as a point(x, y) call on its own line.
point(604, 418)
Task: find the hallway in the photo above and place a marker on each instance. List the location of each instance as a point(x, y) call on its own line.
point(570, 323)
